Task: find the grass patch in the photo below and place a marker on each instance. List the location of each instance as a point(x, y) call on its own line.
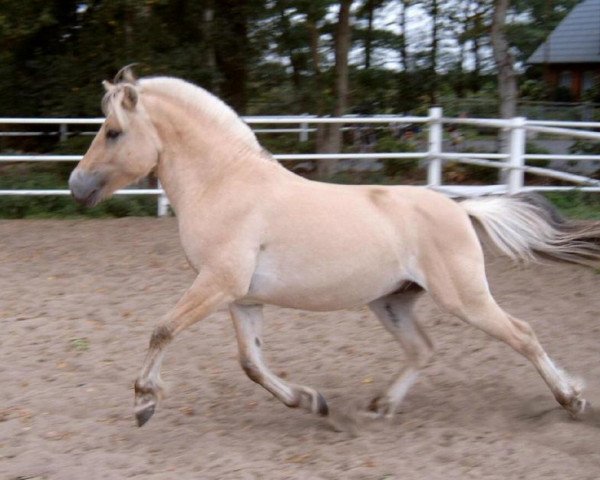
point(79, 344)
point(53, 177)
point(576, 204)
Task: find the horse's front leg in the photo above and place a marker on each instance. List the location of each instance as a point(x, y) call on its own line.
point(204, 296)
point(247, 320)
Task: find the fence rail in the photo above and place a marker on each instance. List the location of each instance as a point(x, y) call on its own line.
point(513, 161)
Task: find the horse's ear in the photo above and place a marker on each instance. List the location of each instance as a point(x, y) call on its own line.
point(126, 75)
point(130, 97)
point(107, 85)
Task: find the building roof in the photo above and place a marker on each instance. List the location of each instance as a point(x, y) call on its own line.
point(575, 40)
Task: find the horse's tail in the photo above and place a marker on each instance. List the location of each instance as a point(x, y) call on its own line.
point(526, 227)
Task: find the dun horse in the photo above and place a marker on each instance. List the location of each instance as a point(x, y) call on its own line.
point(257, 234)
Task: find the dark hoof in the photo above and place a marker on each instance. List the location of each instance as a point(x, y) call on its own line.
point(374, 404)
point(144, 415)
point(322, 408)
point(580, 408)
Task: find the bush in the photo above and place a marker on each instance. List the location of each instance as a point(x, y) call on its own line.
point(52, 177)
point(576, 203)
point(535, 149)
point(398, 167)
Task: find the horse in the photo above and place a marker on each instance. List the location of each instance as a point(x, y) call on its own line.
point(256, 233)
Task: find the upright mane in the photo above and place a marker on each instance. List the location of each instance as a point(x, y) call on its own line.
point(191, 96)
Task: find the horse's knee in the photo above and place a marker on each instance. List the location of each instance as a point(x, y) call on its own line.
point(251, 370)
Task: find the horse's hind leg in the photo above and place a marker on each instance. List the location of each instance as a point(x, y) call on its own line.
point(397, 315)
point(248, 320)
point(460, 287)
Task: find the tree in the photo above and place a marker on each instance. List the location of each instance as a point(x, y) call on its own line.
point(535, 19)
point(333, 141)
point(367, 11)
point(507, 77)
point(434, 12)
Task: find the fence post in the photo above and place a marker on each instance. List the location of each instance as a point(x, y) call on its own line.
point(63, 132)
point(434, 168)
point(516, 155)
point(163, 204)
point(303, 137)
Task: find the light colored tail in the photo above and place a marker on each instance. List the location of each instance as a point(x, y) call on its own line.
point(527, 226)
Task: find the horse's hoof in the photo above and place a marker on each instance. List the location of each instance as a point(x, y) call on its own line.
point(579, 408)
point(380, 407)
point(142, 416)
point(322, 408)
point(374, 404)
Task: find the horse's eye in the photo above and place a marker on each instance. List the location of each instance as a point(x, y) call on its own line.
point(112, 134)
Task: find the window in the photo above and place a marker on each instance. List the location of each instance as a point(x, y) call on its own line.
point(564, 79)
point(588, 81)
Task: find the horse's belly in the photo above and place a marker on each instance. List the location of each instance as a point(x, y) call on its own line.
point(326, 284)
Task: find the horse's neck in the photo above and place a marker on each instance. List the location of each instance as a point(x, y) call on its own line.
point(198, 155)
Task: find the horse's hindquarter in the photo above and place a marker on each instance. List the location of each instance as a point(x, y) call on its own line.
point(329, 246)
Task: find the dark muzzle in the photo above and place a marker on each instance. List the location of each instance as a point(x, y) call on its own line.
point(86, 187)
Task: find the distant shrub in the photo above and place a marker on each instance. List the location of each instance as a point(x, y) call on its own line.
point(52, 177)
point(534, 149)
point(576, 203)
point(398, 167)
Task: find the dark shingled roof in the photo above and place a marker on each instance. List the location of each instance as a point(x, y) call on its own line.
point(575, 40)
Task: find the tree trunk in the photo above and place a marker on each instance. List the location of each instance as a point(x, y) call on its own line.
point(284, 25)
point(319, 108)
point(369, 34)
point(475, 74)
point(232, 52)
point(402, 44)
point(460, 81)
point(434, 51)
point(507, 78)
point(210, 62)
point(342, 47)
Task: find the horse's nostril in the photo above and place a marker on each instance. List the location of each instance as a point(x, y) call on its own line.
point(87, 200)
point(85, 186)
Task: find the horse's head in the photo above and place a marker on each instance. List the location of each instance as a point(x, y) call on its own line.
point(125, 149)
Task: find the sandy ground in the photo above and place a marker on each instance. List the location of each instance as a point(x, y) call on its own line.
point(79, 299)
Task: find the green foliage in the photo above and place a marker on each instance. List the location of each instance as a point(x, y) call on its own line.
point(576, 204)
point(274, 57)
point(26, 177)
point(537, 20)
point(585, 147)
point(534, 149)
point(533, 89)
point(562, 94)
point(79, 344)
point(398, 168)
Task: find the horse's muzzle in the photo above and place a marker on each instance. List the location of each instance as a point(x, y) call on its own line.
point(86, 187)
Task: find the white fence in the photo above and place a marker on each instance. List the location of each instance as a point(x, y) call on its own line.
point(514, 162)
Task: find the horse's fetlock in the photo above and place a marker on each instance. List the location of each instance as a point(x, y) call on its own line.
point(146, 387)
point(566, 399)
point(160, 337)
point(251, 370)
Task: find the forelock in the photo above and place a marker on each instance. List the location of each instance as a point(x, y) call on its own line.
point(112, 103)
